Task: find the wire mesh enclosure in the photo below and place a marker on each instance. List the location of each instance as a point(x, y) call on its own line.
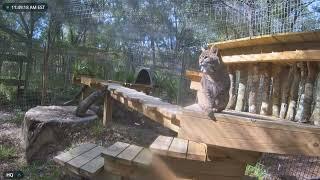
point(108, 39)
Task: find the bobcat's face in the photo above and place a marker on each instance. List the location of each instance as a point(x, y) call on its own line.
point(209, 61)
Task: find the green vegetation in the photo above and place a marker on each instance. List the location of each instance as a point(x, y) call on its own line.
point(256, 171)
point(41, 171)
point(17, 117)
point(97, 128)
point(166, 86)
point(6, 152)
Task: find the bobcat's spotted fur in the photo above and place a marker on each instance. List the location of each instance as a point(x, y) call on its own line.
point(215, 82)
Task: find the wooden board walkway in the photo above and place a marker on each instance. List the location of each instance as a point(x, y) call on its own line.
point(83, 160)
point(236, 130)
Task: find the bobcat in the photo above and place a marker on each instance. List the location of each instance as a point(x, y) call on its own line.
point(215, 82)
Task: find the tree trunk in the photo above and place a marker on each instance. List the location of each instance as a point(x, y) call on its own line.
point(300, 107)
point(88, 101)
point(286, 78)
point(242, 89)
point(1, 66)
point(315, 117)
point(275, 90)
point(293, 94)
point(308, 91)
point(45, 68)
point(254, 81)
point(153, 53)
point(29, 64)
point(233, 89)
point(264, 110)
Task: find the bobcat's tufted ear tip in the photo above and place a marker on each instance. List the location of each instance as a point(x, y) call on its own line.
point(214, 50)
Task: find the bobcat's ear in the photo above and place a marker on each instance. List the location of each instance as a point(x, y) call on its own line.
point(202, 49)
point(214, 50)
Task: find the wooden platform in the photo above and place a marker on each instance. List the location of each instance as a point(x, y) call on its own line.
point(275, 48)
point(83, 160)
point(242, 131)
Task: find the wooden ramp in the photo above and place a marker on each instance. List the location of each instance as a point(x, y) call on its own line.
point(234, 130)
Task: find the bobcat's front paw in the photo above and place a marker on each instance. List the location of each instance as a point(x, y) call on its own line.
point(211, 115)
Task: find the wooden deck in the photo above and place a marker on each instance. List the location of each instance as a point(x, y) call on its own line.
point(275, 48)
point(235, 130)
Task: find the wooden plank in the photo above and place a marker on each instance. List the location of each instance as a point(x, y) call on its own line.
point(129, 154)
point(255, 135)
point(197, 151)
point(114, 150)
point(143, 159)
point(107, 109)
point(87, 80)
point(178, 148)
point(93, 167)
point(193, 75)
point(218, 152)
point(271, 48)
point(276, 57)
point(75, 163)
point(269, 39)
point(67, 156)
point(195, 85)
point(161, 145)
point(221, 177)
point(188, 168)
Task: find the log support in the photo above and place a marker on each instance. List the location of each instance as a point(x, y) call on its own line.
point(107, 109)
point(242, 89)
point(275, 90)
point(315, 117)
point(233, 88)
point(286, 78)
point(293, 94)
point(266, 75)
point(254, 85)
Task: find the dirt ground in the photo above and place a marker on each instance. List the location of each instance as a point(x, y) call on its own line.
point(127, 126)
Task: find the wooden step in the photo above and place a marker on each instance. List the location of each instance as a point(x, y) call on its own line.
point(83, 160)
point(126, 160)
point(165, 160)
point(179, 148)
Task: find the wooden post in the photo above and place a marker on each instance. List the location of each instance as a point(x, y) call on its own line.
point(301, 92)
point(242, 89)
point(254, 81)
point(233, 89)
point(107, 109)
point(315, 117)
point(266, 73)
point(275, 90)
point(308, 91)
point(293, 94)
point(286, 78)
point(85, 93)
